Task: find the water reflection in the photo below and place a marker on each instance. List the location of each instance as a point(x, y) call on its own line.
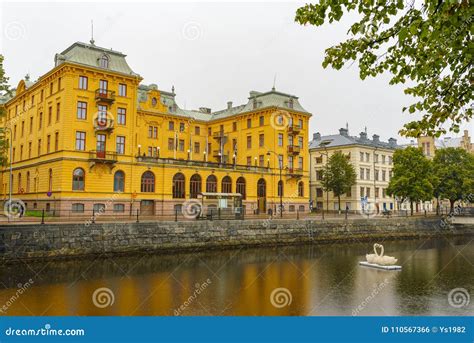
point(322, 279)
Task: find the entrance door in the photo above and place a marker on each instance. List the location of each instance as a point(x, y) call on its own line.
point(101, 145)
point(261, 196)
point(147, 207)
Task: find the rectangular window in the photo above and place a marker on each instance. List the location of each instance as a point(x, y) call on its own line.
point(234, 126)
point(80, 140)
point(56, 141)
point(48, 144)
point(383, 159)
point(377, 192)
point(77, 208)
point(119, 208)
point(319, 160)
point(153, 132)
point(103, 86)
point(50, 115)
point(300, 142)
point(81, 110)
point(197, 148)
point(367, 157)
point(59, 84)
point(290, 140)
point(122, 89)
point(58, 110)
point(362, 157)
point(319, 175)
point(384, 193)
point(290, 162)
point(197, 130)
point(42, 95)
point(171, 144)
point(121, 116)
point(31, 124)
point(261, 120)
point(280, 161)
point(39, 147)
point(376, 174)
point(171, 126)
point(181, 127)
point(249, 160)
point(361, 174)
point(150, 151)
point(261, 140)
point(261, 161)
point(249, 123)
point(249, 142)
point(209, 131)
point(83, 82)
point(120, 145)
point(280, 139)
point(29, 150)
point(368, 192)
point(181, 145)
point(367, 174)
point(300, 123)
point(362, 191)
point(383, 175)
point(300, 163)
point(23, 128)
point(51, 88)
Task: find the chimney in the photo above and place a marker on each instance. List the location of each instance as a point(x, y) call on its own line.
point(205, 110)
point(363, 136)
point(375, 138)
point(229, 105)
point(392, 142)
point(316, 136)
point(344, 132)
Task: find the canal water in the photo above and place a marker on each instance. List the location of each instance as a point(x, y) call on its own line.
point(323, 279)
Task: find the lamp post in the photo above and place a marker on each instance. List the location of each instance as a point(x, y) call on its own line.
point(189, 154)
point(10, 182)
point(324, 144)
point(280, 183)
point(158, 152)
point(139, 149)
point(204, 153)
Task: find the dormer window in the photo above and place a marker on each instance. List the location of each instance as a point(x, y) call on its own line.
point(290, 103)
point(104, 61)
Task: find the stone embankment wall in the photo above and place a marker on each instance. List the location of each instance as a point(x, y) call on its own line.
point(69, 240)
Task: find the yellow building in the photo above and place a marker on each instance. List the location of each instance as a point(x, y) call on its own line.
point(372, 161)
point(429, 145)
point(86, 135)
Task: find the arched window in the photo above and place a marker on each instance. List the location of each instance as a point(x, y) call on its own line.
point(195, 185)
point(178, 186)
point(19, 183)
point(119, 181)
point(78, 177)
point(226, 185)
point(50, 180)
point(148, 182)
point(261, 188)
point(240, 187)
point(211, 184)
point(27, 182)
point(301, 189)
point(104, 61)
point(280, 188)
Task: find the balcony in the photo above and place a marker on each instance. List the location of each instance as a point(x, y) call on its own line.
point(206, 164)
point(294, 149)
point(104, 124)
point(294, 173)
point(103, 157)
point(103, 95)
point(294, 129)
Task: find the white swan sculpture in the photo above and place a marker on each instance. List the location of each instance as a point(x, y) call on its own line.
point(380, 259)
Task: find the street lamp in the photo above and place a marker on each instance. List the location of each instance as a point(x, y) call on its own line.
point(324, 145)
point(10, 186)
point(280, 183)
point(158, 152)
point(189, 154)
point(139, 147)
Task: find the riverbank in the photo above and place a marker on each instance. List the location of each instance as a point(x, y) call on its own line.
point(32, 242)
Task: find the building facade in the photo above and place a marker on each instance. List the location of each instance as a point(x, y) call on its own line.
point(429, 145)
point(372, 161)
point(87, 135)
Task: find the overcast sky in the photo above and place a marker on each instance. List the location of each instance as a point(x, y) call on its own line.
point(212, 53)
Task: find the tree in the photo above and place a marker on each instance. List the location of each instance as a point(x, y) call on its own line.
point(4, 88)
point(412, 176)
point(454, 171)
point(429, 44)
point(338, 176)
